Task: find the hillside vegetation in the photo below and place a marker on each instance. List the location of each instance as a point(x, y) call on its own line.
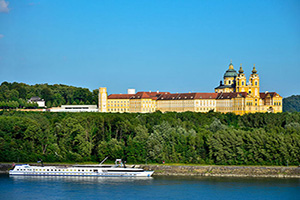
point(291, 104)
point(205, 138)
point(15, 94)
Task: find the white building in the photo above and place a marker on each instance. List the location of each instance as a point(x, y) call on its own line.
point(38, 100)
point(75, 108)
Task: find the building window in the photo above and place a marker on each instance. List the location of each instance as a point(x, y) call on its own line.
point(255, 82)
point(242, 82)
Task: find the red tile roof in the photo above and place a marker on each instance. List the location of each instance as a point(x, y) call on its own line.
point(148, 95)
point(263, 95)
point(231, 95)
point(120, 96)
point(186, 96)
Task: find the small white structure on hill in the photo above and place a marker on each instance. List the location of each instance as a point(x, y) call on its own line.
point(38, 100)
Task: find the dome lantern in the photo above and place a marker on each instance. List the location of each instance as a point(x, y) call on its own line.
point(241, 70)
point(254, 71)
point(230, 72)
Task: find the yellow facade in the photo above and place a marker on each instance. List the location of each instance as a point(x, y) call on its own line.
point(236, 95)
point(118, 105)
point(102, 99)
point(142, 105)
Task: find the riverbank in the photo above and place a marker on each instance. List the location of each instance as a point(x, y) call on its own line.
point(212, 170)
point(226, 171)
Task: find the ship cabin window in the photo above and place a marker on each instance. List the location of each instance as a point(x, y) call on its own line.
point(90, 170)
point(51, 170)
point(82, 170)
point(95, 170)
point(47, 169)
point(17, 169)
point(55, 170)
point(59, 170)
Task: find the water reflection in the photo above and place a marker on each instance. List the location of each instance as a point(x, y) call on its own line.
point(84, 179)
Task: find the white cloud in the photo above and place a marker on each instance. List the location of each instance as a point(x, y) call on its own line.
point(4, 6)
point(1, 36)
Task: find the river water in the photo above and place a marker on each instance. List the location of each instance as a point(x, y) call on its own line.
point(157, 187)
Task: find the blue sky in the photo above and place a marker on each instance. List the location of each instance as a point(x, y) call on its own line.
point(176, 46)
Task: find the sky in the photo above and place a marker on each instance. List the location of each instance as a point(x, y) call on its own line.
point(165, 45)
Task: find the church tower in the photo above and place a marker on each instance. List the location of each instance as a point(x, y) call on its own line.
point(241, 81)
point(254, 83)
point(102, 99)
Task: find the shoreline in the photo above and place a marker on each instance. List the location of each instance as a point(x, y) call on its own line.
point(225, 171)
point(210, 170)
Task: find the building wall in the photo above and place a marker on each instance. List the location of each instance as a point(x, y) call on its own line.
point(102, 99)
point(118, 105)
point(142, 105)
point(75, 108)
point(195, 105)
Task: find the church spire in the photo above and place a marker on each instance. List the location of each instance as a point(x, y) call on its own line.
point(241, 70)
point(254, 71)
point(230, 65)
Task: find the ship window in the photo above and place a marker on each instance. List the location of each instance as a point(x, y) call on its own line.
point(17, 169)
point(55, 170)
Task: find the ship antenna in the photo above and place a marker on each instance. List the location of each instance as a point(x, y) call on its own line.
point(103, 160)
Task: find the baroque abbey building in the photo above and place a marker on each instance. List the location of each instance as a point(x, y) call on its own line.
point(234, 94)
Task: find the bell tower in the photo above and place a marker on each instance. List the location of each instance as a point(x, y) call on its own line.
point(241, 81)
point(254, 81)
point(102, 99)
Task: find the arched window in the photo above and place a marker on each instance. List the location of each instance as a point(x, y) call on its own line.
point(242, 82)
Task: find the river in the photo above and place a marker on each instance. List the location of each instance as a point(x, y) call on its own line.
point(157, 187)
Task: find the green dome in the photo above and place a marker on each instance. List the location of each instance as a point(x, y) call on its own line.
point(230, 73)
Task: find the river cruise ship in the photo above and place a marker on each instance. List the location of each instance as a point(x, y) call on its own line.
point(117, 170)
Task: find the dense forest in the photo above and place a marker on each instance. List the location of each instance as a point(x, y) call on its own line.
point(291, 104)
point(16, 95)
point(202, 138)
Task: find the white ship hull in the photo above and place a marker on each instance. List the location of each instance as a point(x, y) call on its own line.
point(92, 171)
